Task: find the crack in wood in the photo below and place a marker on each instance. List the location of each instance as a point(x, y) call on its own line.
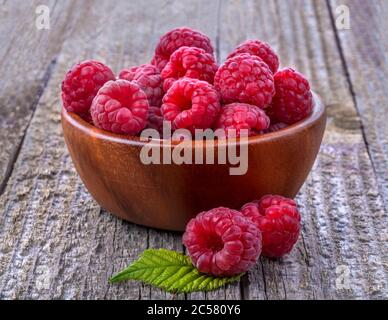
point(34, 104)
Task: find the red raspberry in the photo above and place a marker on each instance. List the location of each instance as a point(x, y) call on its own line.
point(259, 49)
point(189, 62)
point(150, 81)
point(120, 107)
point(239, 116)
point(278, 219)
point(272, 200)
point(155, 119)
point(191, 104)
point(275, 127)
point(221, 242)
point(87, 117)
point(81, 85)
point(293, 100)
point(245, 78)
point(177, 38)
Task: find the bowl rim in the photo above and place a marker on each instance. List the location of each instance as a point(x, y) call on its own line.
point(76, 121)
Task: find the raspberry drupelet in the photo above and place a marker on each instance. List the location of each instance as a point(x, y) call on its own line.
point(81, 85)
point(149, 79)
point(278, 219)
point(293, 100)
point(247, 79)
point(121, 107)
point(260, 49)
point(191, 104)
point(237, 116)
point(221, 242)
point(189, 62)
point(175, 39)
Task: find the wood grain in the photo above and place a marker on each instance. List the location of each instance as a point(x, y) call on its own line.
point(27, 56)
point(365, 50)
point(58, 243)
point(333, 233)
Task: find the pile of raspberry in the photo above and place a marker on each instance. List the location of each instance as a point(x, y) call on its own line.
point(183, 84)
point(225, 242)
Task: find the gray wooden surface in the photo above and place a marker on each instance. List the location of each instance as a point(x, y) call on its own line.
point(56, 242)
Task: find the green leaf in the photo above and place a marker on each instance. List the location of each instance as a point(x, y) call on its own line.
point(171, 271)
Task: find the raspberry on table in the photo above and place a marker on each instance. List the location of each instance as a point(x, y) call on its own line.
point(191, 104)
point(189, 62)
point(175, 39)
point(278, 219)
point(247, 79)
point(221, 242)
point(149, 79)
point(293, 100)
point(271, 200)
point(121, 107)
point(238, 116)
point(260, 49)
point(81, 85)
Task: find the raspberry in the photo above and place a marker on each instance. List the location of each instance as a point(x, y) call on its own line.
point(175, 39)
point(150, 81)
point(155, 119)
point(87, 117)
point(221, 242)
point(271, 200)
point(293, 100)
point(121, 107)
point(245, 78)
point(275, 127)
point(81, 85)
point(191, 104)
point(239, 116)
point(278, 219)
point(189, 62)
point(259, 49)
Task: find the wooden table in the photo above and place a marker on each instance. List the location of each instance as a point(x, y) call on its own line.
point(56, 242)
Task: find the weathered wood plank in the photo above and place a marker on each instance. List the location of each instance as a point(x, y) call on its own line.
point(26, 54)
point(58, 243)
point(52, 228)
point(365, 49)
point(342, 210)
point(202, 16)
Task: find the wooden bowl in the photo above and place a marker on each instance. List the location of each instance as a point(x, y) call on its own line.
point(167, 196)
